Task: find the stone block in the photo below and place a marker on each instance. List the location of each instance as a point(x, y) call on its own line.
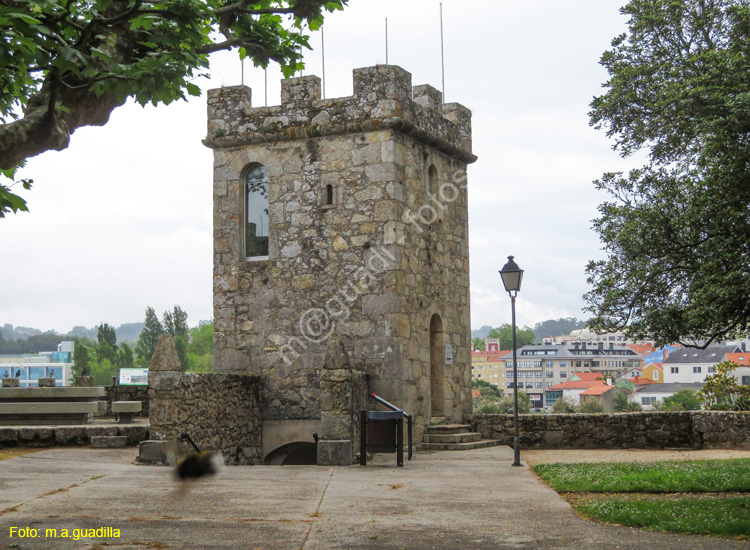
point(46, 382)
point(70, 435)
point(335, 452)
point(335, 425)
point(157, 452)
point(127, 406)
point(8, 436)
point(98, 431)
point(84, 381)
point(134, 432)
point(109, 442)
point(11, 382)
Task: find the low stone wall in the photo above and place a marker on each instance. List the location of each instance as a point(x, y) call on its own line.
point(657, 430)
point(51, 436)
point(127, 393)
point(219, 412)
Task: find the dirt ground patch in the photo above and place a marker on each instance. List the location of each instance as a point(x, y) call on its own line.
point(13, 452)
point(549, 456)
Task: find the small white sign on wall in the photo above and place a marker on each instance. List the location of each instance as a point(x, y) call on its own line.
point(448, 354)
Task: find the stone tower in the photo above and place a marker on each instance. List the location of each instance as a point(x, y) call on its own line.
point(345, 217)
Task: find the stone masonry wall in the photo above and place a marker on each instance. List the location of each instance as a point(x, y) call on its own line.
point(220, 412)
point(658, 430)
point(127, 393)
point(374, 266)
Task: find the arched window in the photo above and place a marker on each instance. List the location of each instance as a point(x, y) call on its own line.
point(256, 212)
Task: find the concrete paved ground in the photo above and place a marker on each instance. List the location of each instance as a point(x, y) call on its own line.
point(458, 500)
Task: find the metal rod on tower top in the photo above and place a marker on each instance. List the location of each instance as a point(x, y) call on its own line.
point(386, 41)
point(442, 57)
point(242, 72)
point(323, 54)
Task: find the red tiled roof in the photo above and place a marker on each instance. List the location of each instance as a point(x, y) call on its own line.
point(641, 380)
point(577, 385)
point(642, 349)
point(597, 390)
point(475, 393)
point(657, 365)
point(589, 376)
point(739, 358)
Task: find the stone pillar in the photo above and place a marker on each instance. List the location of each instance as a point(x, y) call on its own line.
point(335, 444)
point(47, 382)
point(163, 378)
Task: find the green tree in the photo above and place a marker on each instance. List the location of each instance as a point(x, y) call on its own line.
point(125, 358)
point(175, 324)
point(557, 327)
point(149, 337)
point(107, 343)
point(200, 349)
point(106, 334)
point(201, 339)
point(102, 372)
point(722, 391)
point(676, 230)
point(683, 400)
point(504, 333)
point(478, 343)
point(486, 389)
point(81, 361)
point(70, 63)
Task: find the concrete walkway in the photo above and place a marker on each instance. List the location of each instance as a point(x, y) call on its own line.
point(458, 500)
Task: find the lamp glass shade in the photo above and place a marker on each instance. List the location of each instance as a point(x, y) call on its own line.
point(511, 275)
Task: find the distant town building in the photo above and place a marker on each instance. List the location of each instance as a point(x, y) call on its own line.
point(590, 337)
point(46, 364)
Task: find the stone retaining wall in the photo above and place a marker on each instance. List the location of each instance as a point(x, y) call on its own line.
point(657, 430)
point(41, 436)
point(219, 412)
point(128, 393)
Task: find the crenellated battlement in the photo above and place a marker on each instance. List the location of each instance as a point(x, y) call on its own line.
point(383, 98)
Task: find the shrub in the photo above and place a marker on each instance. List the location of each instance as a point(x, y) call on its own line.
point(591, 406)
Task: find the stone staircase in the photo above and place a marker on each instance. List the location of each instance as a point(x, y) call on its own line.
point(453, 437)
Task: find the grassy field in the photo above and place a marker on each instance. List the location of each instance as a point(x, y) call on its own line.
point(707, 497)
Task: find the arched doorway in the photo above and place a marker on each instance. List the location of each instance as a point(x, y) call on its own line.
point(437, 367)
point(299, 453)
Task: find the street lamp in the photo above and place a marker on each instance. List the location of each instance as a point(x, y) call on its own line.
point(512, 276)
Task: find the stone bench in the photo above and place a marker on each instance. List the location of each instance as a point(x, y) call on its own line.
point(126, 410)
point(49, 406)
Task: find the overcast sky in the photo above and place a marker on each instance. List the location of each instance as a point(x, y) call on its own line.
point(122, 220)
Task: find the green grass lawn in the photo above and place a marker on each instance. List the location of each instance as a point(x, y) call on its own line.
point(728, 517)
point(680, 511)
point(705, 476)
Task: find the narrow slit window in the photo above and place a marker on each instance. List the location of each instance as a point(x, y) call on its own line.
point(256, 212)
point(329, 195)
point(432, 176)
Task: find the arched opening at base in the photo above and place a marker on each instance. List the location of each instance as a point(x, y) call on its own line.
point(299, 453)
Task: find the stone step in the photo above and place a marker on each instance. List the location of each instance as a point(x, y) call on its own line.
point(481, 444)
point(448, 429)
point(466, 437)
point(109, 441)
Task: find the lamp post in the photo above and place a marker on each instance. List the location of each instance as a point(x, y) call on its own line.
point(512, 276)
